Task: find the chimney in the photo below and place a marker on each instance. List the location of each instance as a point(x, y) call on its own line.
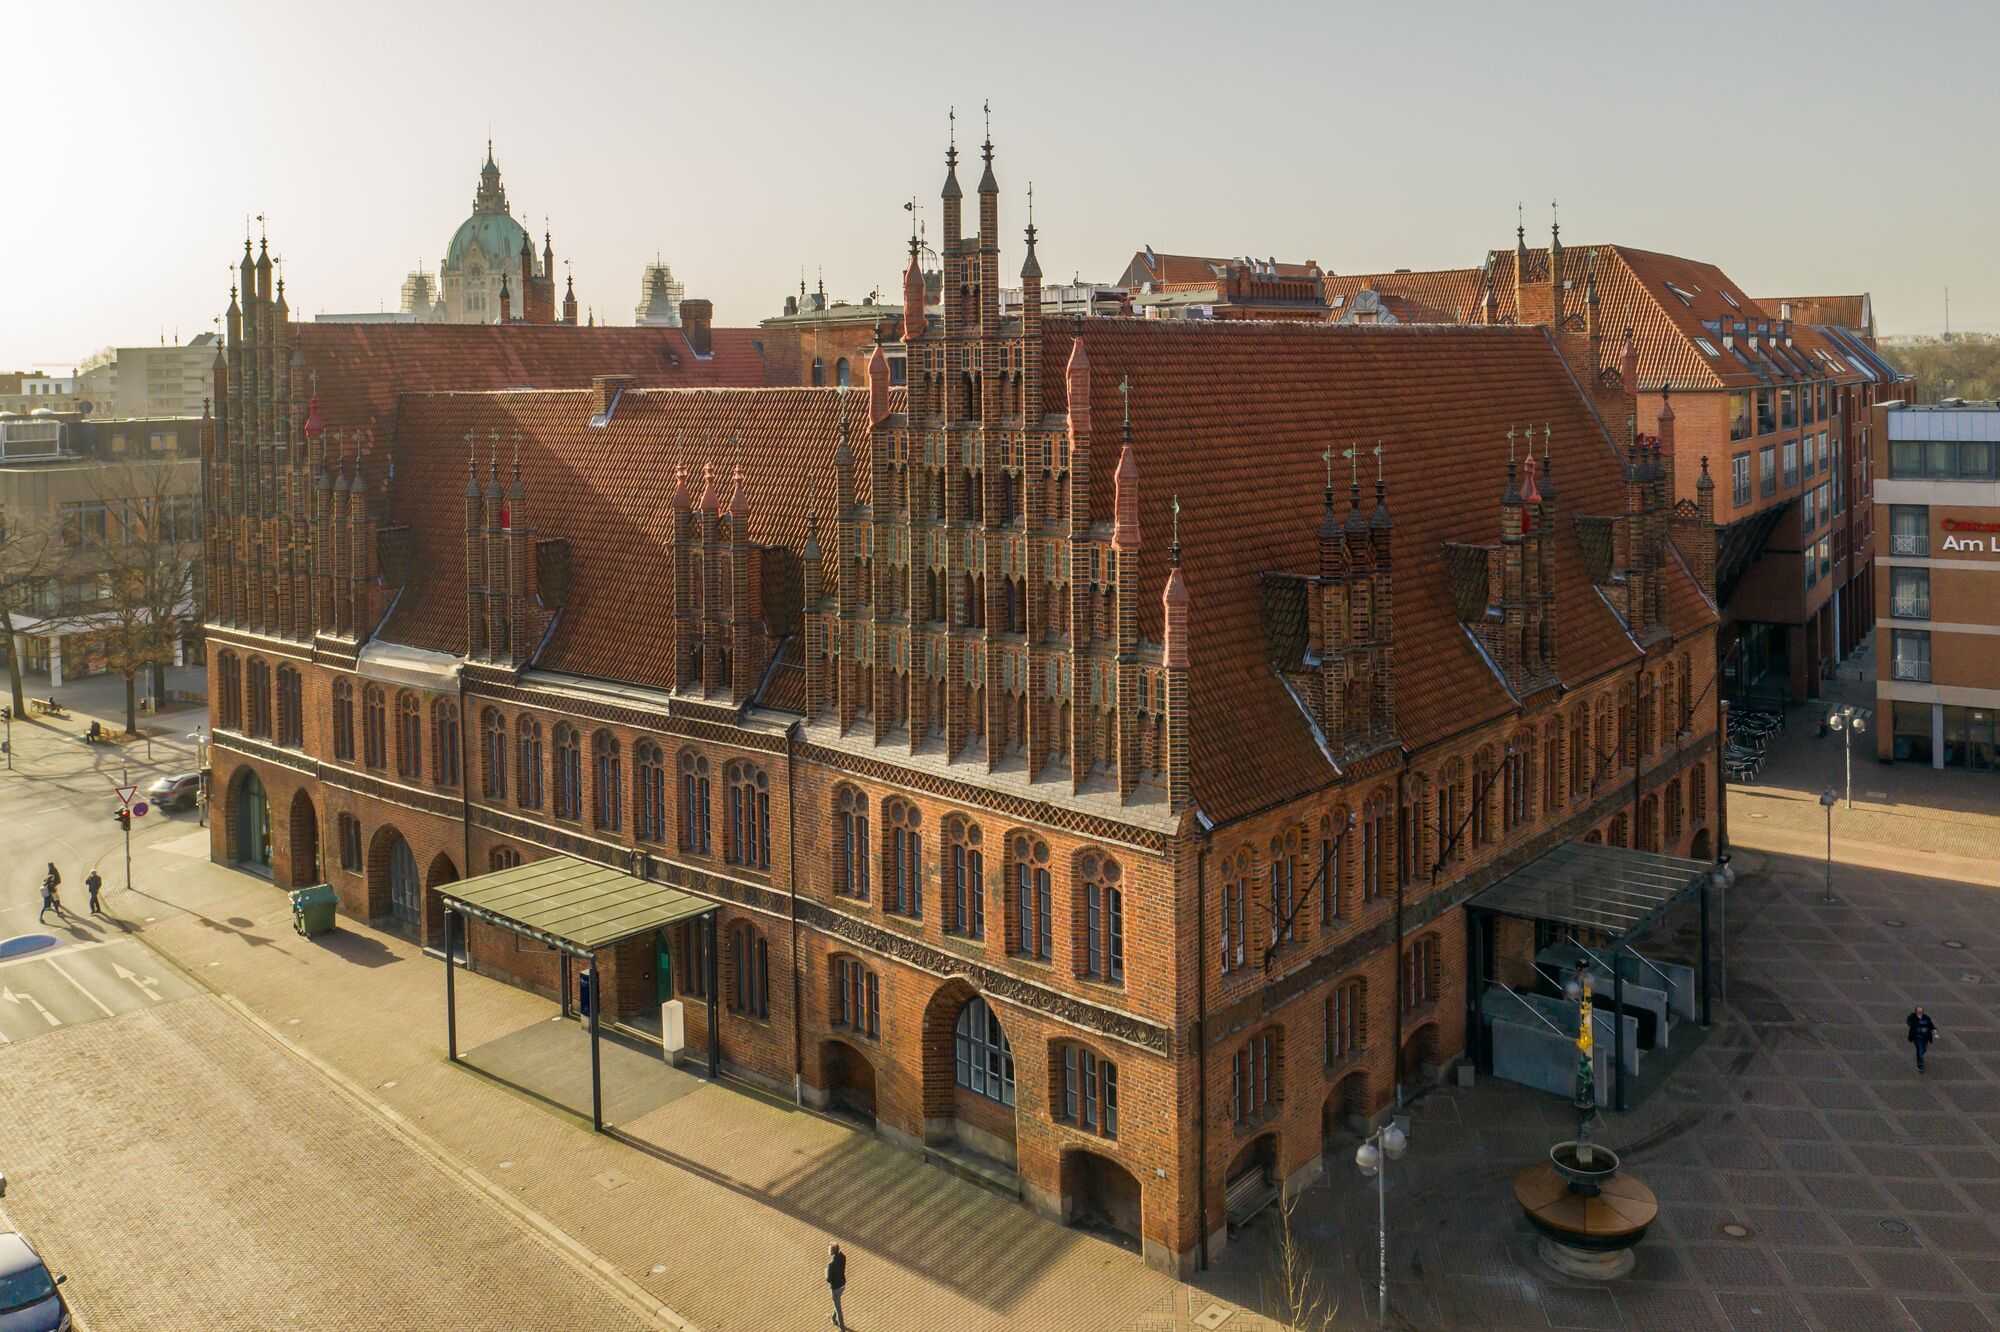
point(696, 316)
point(605, 390)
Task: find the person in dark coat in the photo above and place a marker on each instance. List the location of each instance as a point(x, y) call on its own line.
point(836, 1281)
point(51, 899)
point(95, 883)
point(1922, 1032)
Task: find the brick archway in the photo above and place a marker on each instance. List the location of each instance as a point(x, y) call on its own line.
point(980, 1117)
point(304, 840)
point(1346, 1109)
point(247, 813)
point(848, 1079)
point(1101, 1196)
point(389, 858)
point(441, 872)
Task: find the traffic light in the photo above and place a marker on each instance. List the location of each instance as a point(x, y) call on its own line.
point(124, 817)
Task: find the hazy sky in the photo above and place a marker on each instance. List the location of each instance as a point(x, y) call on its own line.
point(1811, 148)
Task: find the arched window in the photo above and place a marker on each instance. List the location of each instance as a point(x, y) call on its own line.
point(857, 998)
point(1256, 1076)
point(1684, 709)
point(694, 803)
point(1450, 813)
point(493, 754)
point(1086, 1090)
point(649, 796)
point(1552, 750)
point(984, 1060)
point(840, 372)
point(965, 895)
point(445, 740)
point(1698, 795)
point(1282, 906)
point(1674, 810)
point(1235, 913)
point(818, 373)
point(409, 737)
point(1481, 831)
point(1516, 784)
point(569, 772)
point(850, 852)
point(1095, 881)
point(1030, 930)
point(502, 858)
point(343, 720)
point(348, 829)
point(1611, 744)
point(1375, 847)
point(257, 678)
point(291, 709)
point(229, 691)
point(1346, 1020)
point(903, 859)
point(607, 778)
point(1420, 972)
point(528, 762)
point(374, 727)
point(749, 983)
point(1332, 875)
point(749, 815)
point(1581, 758)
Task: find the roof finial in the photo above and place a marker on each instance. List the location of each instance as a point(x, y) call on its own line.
point(911, 209)
point(951, 131)
point(1327, 458)
point(1555, 221)
point(986, 108)
point(1175, 549)
point(1125, 392)
point(1031, 203)
point(1547, 431)
point(1510, 445)
point(1378, 461)
point(1520, 224)
point(1353, 456)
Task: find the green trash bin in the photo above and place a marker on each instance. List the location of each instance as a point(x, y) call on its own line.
point(313, 908)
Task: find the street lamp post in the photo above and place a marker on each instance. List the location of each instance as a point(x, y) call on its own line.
point(1850, 721)
point(200, 776)
point(1828, 799)
point(1384, 1145)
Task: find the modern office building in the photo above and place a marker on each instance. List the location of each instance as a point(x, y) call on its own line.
point(1937, 583)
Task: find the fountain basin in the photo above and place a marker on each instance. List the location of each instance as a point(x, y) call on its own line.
point(1590, 1217)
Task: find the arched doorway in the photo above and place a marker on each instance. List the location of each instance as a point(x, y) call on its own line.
point(850, 1081)
point(305, 842)
point(968, 1074)
point(1420, 1054)
point(1345, 1114)
point(442, 871)
point(394, 887)
point(249, 821)
point(1101, 1196)
point(1701, 849)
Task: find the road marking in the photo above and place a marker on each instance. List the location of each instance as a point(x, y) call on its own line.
point(56, 951)
point(18, 999)
point(146, 984)
point(102, 1007)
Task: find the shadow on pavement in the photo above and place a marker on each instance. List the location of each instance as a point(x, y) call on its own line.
point(356, 949)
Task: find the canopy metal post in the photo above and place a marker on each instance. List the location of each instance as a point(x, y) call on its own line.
point(714, 999)
point(596, 1067)
point(1481, 923)
point(450, 989)
point(1705, 985)
point(1618, 1026)
point(562, 964)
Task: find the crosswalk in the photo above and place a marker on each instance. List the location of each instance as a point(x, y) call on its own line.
point(86, 983)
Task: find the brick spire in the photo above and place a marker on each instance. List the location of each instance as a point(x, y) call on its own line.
point(1125, 527)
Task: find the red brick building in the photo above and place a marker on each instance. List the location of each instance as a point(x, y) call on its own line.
point(1089, 745)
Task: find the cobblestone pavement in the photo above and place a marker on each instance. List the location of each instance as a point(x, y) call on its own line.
point(186, 1172)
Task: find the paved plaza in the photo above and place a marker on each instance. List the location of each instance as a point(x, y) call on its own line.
point(282, 1119)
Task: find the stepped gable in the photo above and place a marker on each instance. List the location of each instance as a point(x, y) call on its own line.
point(608, 491)
point(1233, 418)
point(361, 368)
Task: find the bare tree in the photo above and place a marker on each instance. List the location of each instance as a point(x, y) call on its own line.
point(26, 544)
point(143, 562)
point(1303, 1300)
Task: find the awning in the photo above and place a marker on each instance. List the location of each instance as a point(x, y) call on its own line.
point(572, 904)
point(1594, 887)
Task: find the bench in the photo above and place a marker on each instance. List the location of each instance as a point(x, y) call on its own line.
point(1246, 1195)
point(47, 707)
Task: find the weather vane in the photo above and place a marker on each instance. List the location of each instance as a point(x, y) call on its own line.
point(1327, 458)
point(1378, 459)
point(1510, 443)
point(1353, 457)
point(1125, 392)
point(1177, 520)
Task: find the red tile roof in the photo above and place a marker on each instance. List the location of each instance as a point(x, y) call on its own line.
point(1438, 296)
point(609, 491)
point(1845, 311)
point(1194, 269)
point(361, 368)
point(1233, 419)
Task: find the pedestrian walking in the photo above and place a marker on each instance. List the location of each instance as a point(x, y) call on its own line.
point(95, 883)
point(50, 902)
point(1922, 1032)
point(836, 1281)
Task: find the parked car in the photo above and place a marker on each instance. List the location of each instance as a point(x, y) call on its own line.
point(29, 1300)
point(176, 791)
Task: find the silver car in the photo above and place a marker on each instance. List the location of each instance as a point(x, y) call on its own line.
point(29, 1300)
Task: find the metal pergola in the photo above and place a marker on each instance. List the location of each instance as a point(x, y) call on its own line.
point(576, 908)
point(1617, 892)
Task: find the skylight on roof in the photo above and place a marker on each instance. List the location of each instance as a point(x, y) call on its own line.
point(1686, 296)
point(1731, 299)
point(1707, 346)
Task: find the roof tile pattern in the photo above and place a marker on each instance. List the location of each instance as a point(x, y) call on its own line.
point(1234, 419)
point(608, 490)
point(1439, 296)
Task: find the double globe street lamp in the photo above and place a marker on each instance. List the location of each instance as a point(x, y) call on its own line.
point(1384, 1145)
